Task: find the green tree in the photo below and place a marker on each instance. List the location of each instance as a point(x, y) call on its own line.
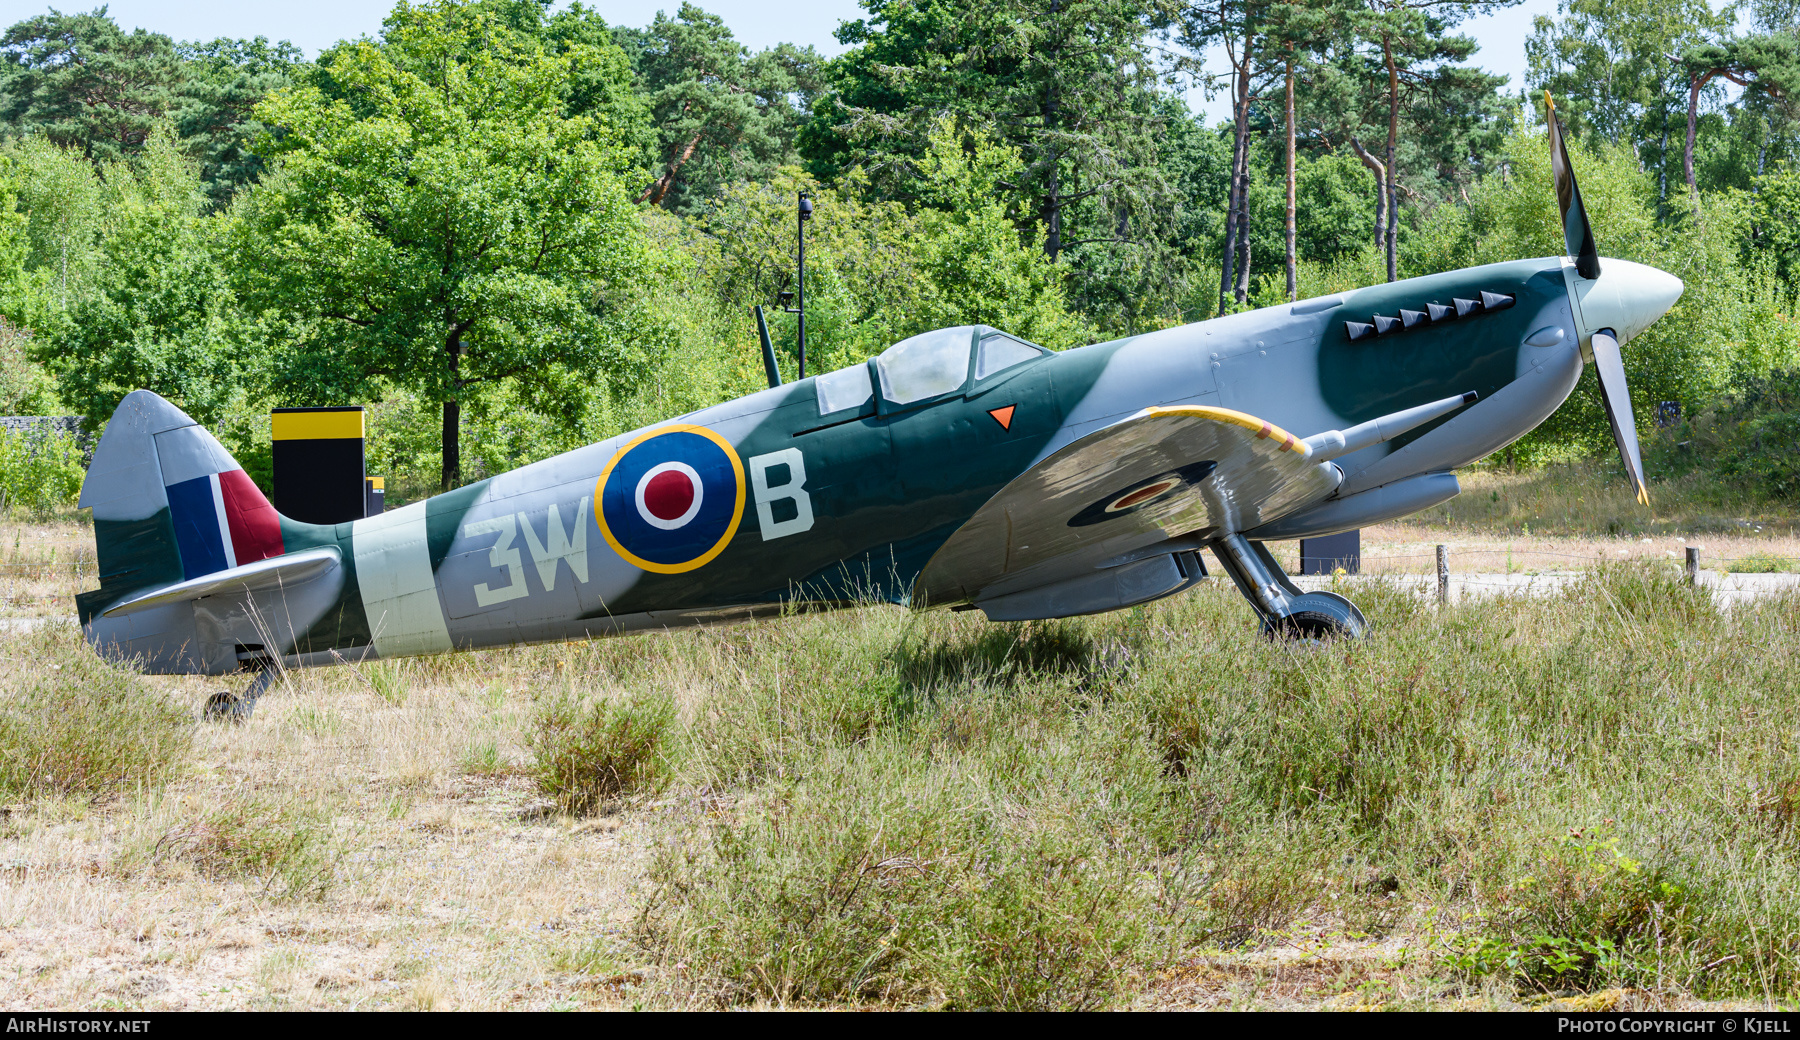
point(1777, 216)
point(84, 82)
point(1613, 66)
point(600, 85)
point(975, 268)
point(721, 113)
point(155, 312)
point(63, 201)
point(1069, 84)
point(1241, 30)
point(1765, 64)
point(15, 248)
point(225, 80)
point(25, 387)
point(1294, 41)
point(1410, 52)
point(1196, 160)
point(1334, 192)
point(441, 224)
point(879, 271)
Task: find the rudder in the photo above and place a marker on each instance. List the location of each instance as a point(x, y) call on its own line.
point(169, 504)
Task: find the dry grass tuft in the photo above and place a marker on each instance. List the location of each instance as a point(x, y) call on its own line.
point(591, 751)
point(286, 849)
point(72, 724)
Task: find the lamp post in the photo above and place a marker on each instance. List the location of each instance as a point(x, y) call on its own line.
point(806, 212)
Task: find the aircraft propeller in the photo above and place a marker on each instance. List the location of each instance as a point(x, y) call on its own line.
point(1578, 237)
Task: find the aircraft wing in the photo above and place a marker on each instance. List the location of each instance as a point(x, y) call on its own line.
point(1157, 483)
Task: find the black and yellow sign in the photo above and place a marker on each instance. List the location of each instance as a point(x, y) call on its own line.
point(319, 475)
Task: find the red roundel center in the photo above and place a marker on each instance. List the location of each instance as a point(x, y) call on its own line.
point(669, 494)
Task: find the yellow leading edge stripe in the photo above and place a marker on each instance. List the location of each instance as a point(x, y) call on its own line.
point(1261, 427)
point(316, 426)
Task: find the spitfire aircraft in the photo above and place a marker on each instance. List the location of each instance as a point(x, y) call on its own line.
point(963, 468)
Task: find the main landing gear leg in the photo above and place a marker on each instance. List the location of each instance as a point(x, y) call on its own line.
point(1285, 610)
point(226, 706)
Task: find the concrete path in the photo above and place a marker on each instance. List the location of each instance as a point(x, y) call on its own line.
point(1727, 589)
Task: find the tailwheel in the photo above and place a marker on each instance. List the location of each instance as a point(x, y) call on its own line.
point(1318, 617)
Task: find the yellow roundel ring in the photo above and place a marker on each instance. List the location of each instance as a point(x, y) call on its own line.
point(671, 500)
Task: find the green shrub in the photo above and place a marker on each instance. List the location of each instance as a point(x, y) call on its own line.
point(73, 724)
point(1581, 913)
point(938, 811)
point(1764, 454)
point(1760, 563)
point(883, 878)
point(795, 689)
point(1254, 888)
point(1006, 654)
point(39, 472)
point(589, 751)
point(1752, 433)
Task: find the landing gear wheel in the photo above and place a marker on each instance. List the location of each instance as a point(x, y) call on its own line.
point(226, 706)
point(1318, 617)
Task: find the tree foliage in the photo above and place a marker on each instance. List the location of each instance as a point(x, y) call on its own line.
point(721, 114)
point(153, 310)
point(1069, 84)
point(437, 221)
point(512, 228)
point(85, 83)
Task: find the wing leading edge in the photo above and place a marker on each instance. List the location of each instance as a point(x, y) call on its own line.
point(1125, 498)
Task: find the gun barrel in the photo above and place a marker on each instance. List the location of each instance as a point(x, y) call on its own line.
point(1333, 443)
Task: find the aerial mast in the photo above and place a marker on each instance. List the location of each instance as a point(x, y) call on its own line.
point(806, 211)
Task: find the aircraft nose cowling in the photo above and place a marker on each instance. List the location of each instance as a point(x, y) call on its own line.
point(1626, 298)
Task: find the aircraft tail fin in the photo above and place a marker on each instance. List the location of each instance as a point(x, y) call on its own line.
point(170, 504)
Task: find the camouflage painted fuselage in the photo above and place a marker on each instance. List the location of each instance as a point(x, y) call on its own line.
point(848, 505)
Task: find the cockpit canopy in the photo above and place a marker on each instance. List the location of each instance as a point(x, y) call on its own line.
point(929, 365)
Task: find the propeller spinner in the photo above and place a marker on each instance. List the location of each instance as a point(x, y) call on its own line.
point(1611, 307)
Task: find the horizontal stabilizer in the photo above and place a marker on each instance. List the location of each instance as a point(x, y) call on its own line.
point(276, 572)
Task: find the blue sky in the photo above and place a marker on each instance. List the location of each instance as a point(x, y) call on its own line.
point(317, 24)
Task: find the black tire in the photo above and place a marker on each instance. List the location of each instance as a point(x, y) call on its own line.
point(1319, 617)
point(226, 706)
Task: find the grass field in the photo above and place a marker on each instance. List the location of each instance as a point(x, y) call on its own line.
point(1588, 799)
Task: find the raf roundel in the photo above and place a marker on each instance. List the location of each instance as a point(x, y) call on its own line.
point(671, 500)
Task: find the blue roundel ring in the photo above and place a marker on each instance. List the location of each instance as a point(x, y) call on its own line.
point(670, 500)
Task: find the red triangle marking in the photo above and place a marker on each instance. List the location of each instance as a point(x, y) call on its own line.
point(1003, 416)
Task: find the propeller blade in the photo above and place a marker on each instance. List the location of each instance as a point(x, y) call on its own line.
point(1610, 367)
point(1578, 234)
